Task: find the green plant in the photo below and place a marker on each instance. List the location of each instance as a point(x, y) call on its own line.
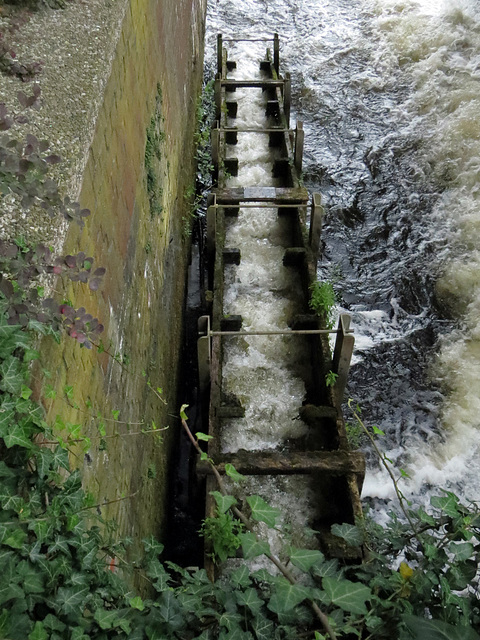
point(354, 434)
point(322, 301)
point(222, 532)
point(331, 378)
point(205, 118)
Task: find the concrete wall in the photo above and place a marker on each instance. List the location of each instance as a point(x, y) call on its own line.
point(154, 83)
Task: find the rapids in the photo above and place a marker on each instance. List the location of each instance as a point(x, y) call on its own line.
point(388, 91)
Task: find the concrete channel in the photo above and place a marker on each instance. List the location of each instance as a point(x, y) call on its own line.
point(322, 455)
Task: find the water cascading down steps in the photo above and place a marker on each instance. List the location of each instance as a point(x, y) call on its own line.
point(263, 355)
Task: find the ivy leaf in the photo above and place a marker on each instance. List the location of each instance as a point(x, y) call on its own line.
point(352, 535)
point(10, 500)
point(78, 633)
point(13, 374)
point(39, 632)
point(203, 436)
point(105, 619)
point(241, 576)
point(252, 547)
point(329, 568)
point(137, 603)
point(422, 629)
point(6, 418)
point(30, 579)
point(223, 502)
point(170, 611)
point(70, 600)
point(15, 539)
point(10, 592)
point(264, 629)
point(17, 437)
point(448, 504)
point(152, 546)
point(233, 632)
point(287, 596)
point(233, 473)
point(461, 575)
point(349, 596)
point(304, 559)
point(52, 623)
point(249, 598)
point(262, 511)
point(462, 551)
point(156, 571)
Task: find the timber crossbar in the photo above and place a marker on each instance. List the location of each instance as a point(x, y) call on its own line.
point(279, 332)
point(251, 84)
point(276, 195)
point(301, 462)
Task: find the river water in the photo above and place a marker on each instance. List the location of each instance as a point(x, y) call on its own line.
point(389, 95)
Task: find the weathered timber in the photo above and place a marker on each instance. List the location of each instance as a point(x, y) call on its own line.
point(287, 97)
point(231, 323)
point(232, 108)
point(335, 463)
point(231, 255)
point(277, 195)
point(227, 411)
point(231, 166)
point(342, 355)
point(294, 256)
point(316, 218)
point(251, 84)
point(276, 53)
point(298, 151)
point(219, 52)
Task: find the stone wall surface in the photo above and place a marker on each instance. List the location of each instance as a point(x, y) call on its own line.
point(139, 235)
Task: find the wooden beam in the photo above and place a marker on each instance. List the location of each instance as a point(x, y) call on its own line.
point(276, 52)
point(275, 195)
point(342, 354)
point(336, 463)
point(251, 84)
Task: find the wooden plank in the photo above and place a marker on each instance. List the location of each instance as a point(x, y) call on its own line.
point(276, 195)
point(342, 355)
point(316, 224)
point(252, 84)
point(336, 463)
point(276, 52)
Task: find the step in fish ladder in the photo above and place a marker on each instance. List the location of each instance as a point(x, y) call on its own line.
point(323, 454)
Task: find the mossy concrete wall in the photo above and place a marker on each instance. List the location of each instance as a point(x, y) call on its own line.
point(142, 240)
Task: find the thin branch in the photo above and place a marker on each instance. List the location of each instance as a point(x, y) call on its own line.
point(381, 456)
point(101, 349)
point(113, 435)
point(94, 506)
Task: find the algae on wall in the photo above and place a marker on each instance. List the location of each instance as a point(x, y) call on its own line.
point(135, 231)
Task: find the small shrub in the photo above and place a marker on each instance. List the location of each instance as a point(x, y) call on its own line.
point(322, 301)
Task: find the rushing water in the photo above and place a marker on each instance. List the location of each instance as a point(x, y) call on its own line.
point(389, 95)
point(261, 371)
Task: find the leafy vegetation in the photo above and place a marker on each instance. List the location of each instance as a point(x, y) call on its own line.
point(322, 301)
point(60, 576)
point(24, 166)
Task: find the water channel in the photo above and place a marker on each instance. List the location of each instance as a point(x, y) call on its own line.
point(388, 93)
